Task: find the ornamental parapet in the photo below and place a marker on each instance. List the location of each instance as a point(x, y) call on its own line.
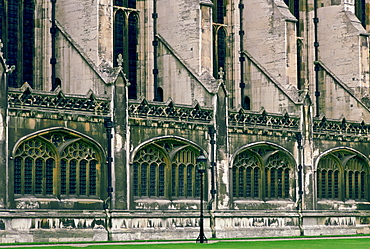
point(340, 127)
point(249, 119)
point(27, 99)
point(143, 109)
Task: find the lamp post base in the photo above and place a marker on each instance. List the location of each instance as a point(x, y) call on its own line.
point(202, 239)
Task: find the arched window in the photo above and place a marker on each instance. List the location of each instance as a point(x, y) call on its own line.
point(246, 176)
point(118, 41)
point(360, 11)
point(125, 42)
point(166, 169)
point(218, 11)
point(149, 172)
point(263, 173)
point(246, 103)
point(277, 177)
point(160, 94)
point(355, 179)
point(328, 181)
point(132, 54)
point(56, 164)
point(184, 173)
point(342, 175)
point(19, 29)
point(219, 50)
point(33, 168)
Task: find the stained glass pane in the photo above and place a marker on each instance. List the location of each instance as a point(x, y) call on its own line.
point(152, 181)
point(286, 183)
point(49, 176)
point(174, 180)
point(144, 179)
point(362, 196)
point(38, 176)
point(135, 180)
point(280, 183)
point(161, 180)
point(330, 184)
point(132, 55)
point(17, 175)
point(28, 41)
point(83, 180)
point(248, 190)
point(131, 4)
point(28, 176)
point(256, 183)
point(336, 184)
point(92, 177)
point(181, 180)
point(350, 185)
point(72, 177)
point(63, 177)
point(13, 35)
point(118, 40)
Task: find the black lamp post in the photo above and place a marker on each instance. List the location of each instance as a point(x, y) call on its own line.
point(201, 163)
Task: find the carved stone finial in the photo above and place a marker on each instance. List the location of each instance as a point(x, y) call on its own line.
point(120, 60)
point(221, 73)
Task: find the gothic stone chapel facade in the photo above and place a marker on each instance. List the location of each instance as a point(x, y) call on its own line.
point(106, 104)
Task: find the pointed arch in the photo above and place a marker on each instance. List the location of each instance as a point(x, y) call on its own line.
point(165, 168)
point(263, 171)
point(57, 162)
point(219, 49)
point(133, 35)
point(118, 35)
point(343, 174)
point(19, 28)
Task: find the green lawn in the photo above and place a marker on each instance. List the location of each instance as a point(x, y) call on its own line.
point(350, 243)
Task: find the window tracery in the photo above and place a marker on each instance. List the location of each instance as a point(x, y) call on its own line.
point(166, 169)
point(18, 27)
point(125, 41)
point(255, 177)
point(56, 163)
point(342, 175)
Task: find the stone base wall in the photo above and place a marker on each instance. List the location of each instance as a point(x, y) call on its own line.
point(46, 226)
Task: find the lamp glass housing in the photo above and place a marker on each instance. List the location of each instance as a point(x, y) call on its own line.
point(201, 161)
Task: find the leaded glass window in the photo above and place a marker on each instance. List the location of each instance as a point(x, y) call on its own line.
point(219, 51)
point(355, 181)
point(166, 169)
point(56, 164)
point(261, 173)
point(125, 3)
point(342, 175)
point(18, 27)
point(125, 42)
point(149, 172)
point(246, 176)
point(327, 172)
point(32, 166)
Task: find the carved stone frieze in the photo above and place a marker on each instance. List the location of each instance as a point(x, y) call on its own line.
point(169, 111)
point(260, 122)
point(26, 98)
point(340, 130)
